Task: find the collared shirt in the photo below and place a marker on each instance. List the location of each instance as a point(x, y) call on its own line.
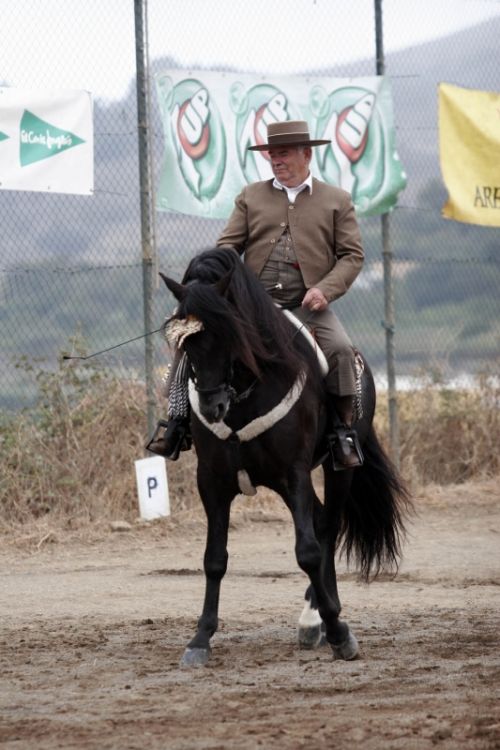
point(293, 192)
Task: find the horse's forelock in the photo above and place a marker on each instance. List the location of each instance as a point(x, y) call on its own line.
point(211, 266)
point(203, 302)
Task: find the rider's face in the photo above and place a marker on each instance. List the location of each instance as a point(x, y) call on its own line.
point(290, 165)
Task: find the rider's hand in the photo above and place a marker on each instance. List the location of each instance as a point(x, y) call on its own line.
point(315, 300)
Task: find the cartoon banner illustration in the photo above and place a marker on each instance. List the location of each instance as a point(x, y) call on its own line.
point(210, 119)
point(469, 147)
point(46, 141)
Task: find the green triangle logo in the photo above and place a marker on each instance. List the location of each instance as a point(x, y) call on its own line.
point(3, 136)
point(41, 140)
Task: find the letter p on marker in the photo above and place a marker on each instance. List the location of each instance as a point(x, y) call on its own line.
point(152, 485)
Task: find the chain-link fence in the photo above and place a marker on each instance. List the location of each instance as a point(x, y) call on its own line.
point(71, 265)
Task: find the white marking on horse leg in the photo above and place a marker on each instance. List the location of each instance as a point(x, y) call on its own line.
point(309, 617)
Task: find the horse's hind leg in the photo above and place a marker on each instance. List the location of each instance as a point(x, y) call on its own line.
point(337, 491)
point(217, 502)
point(313, 629)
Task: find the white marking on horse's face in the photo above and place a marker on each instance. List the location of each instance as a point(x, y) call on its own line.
point(309, 617)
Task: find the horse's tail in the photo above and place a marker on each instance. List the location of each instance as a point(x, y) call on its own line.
point(373, 518)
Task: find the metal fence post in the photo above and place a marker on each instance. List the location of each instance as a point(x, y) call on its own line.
point(146, 199)
point(389, 312)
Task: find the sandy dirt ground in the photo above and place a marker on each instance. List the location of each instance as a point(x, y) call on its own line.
point(91, 634)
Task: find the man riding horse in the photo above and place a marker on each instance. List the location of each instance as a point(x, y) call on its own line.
point(301, 238)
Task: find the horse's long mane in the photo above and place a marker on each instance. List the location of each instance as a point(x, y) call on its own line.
point(244, 315)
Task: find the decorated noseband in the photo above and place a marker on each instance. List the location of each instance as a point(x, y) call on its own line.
point(178, 329)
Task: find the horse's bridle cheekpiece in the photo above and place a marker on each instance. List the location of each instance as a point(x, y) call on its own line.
point(288, 133)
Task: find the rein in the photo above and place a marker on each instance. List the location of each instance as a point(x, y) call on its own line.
point(236, 398)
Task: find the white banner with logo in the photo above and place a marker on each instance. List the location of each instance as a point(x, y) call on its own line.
point(46, 141)
point(210, 119)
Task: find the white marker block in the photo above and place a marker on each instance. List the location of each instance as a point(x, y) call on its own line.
point(152, 487)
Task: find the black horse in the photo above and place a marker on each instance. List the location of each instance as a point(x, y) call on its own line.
point(259, 418)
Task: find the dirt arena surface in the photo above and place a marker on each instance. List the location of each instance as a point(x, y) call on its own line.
point(91, 634)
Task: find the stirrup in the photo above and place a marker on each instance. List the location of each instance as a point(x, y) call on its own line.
point(345, 448)
point(170, 438)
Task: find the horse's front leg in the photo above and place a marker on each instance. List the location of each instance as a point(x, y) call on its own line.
point(217, 503)
point(311, 628)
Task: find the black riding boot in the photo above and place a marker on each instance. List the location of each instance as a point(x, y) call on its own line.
point(170, 438)
point(342, 438)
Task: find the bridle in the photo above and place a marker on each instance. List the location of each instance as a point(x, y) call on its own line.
point(224, 386)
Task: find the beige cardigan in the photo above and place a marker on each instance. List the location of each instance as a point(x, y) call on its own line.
point(323, 226)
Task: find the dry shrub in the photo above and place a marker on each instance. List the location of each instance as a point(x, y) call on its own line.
point(72, 456)
point(447, 435)
point(70, 459)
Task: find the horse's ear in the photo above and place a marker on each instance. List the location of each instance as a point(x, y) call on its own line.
point(178, 290)
point(222, 284)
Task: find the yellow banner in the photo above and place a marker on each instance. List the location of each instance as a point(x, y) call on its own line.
point(469, 147)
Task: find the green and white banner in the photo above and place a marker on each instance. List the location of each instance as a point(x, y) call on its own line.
point(46, 141)
point(210, 119)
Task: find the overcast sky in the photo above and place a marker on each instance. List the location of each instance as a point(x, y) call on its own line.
point(56, 44)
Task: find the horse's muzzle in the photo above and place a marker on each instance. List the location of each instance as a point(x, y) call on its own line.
point(214, 406)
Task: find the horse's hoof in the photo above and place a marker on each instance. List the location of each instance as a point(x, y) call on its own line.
point(195, 657)
point(346, 650)
point(311, 637)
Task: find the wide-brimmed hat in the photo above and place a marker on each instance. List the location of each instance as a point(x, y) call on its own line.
point(289, 133)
